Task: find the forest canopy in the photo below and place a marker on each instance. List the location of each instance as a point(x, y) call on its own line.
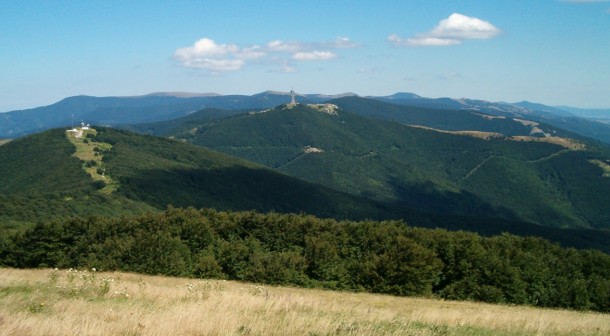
point(302, 250)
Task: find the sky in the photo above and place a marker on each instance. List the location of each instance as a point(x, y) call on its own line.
point(555, 52)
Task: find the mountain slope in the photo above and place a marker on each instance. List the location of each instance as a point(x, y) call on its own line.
point(152, 173)
point(450, 120)
point(599, 115)
point(561, 118)
point(512, 178)
point(181, 124)
point(40, 180)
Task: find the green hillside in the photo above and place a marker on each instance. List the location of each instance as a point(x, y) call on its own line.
point(41, 178)
point(451, 120)
point(49, 175)
point(183, 124)
point(517, 178)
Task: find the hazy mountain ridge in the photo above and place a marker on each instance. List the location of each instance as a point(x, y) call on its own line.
point(558, 117)
point(160, 106)
point(600, 115)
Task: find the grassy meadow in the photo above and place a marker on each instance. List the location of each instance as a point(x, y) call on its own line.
point(70, 302)
point(91, 153)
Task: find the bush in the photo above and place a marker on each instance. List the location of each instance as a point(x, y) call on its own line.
point(99, 184)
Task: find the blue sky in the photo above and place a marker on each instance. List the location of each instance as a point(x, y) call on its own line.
point(549, 51)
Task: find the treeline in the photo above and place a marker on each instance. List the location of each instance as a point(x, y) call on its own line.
point(383, 257)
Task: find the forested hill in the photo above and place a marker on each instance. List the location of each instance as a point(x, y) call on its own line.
point(46, 176)
point(549, 180)
point(141, 173)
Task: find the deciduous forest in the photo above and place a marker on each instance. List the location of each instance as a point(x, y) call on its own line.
point(302, 250)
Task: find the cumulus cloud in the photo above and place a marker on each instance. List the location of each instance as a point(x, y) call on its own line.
point(450, 31)
point(313, 55)
point(252, 52)
point(422, 41)
point(344, 42)
point(296, 46)
point(207, 54)
point(281, 46)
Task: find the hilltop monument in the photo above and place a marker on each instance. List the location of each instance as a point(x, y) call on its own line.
point(293, 100)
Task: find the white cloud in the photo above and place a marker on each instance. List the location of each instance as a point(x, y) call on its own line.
point(450, 31)
point(281, 46)
point(422, 41)
point(344, 42)
point(215, 64)
point(464, 27)
point(205, 47)
point(207, 54)
point(214, 57)
point(252, 52)
point(313, 55)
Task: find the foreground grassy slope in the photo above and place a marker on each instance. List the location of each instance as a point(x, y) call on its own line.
point(47, 302)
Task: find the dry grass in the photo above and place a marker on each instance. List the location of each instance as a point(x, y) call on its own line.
point(564, 142)
point(474, 134)
point(4, 141)
point(46, 302)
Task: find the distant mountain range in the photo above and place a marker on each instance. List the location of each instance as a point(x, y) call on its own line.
point(162, 106)
point(600, 115)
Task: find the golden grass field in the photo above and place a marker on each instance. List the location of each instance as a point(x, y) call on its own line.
point(61, 302)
